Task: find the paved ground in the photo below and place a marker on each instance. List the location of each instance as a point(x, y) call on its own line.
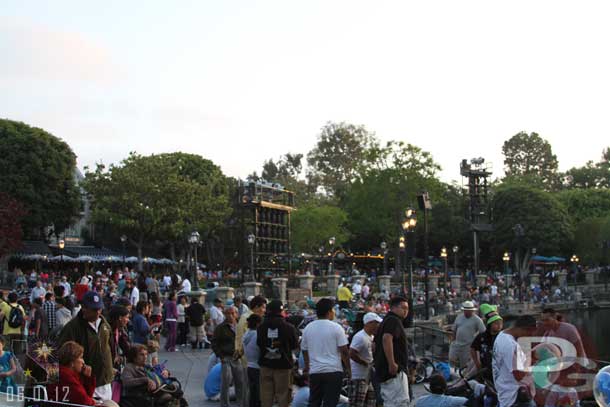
point(190, 367)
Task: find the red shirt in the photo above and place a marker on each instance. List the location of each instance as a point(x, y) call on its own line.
point(72, 388)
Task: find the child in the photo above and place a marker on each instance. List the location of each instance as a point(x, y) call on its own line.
point(8, 368)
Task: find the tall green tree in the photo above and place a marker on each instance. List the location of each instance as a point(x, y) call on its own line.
point(591, 175)
point(376, 203)
point(530, 158)
point(339, 156)
point(583, 204)
point(546, 224)
point(590, 240)
point(313, 225)
point(38, 170)
point(159, 197)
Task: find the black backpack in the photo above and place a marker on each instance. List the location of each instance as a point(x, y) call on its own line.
point(15, 318)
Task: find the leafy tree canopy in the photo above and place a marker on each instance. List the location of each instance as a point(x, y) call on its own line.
point(340, 155)
point(38, 170)
point(584, 204)
point(312, 226)
point(546, 223)
point(530, 157)
point(591, 175)
point(159, 197)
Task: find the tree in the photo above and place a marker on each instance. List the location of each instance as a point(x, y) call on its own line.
point(38, 171)
point(339, 156)
point(11, 213)
point(545, 222)
point(531, 158)
point(584, 204)
point(591, 175)
point(591, 237)
point(286, 171)
point(159, 197)
point(376, 203)
point(312, 226)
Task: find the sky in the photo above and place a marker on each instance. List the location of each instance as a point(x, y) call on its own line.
point(239, 82)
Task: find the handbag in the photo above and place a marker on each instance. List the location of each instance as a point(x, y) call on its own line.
point(117, 388)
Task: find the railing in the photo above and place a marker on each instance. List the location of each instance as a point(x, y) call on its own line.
point(430, 342)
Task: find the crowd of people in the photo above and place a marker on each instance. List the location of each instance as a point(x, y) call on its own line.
point(108, 330)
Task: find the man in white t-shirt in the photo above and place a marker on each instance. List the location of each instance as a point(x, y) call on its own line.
point(186, 285)
point(324, 346)
point(356, 288)
point(513, 384)
point(361, 392)
point(134, 294)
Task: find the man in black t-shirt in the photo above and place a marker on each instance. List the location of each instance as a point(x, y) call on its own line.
point(391, 356)
point(481, 349)
point(195, 313)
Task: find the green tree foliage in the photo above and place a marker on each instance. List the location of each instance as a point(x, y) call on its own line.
point(586, 203)
point(530, 158)
point(376, 203)
point(38, 171)
point(11, 213)
point(590, 237)
point(287, 171)
point(159, 197)
point(338, 158)
point(546, 223)
point(312, 226)
point(591, 175)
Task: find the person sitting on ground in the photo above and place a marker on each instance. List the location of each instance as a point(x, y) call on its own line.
point(76, 383)
point(438, 387)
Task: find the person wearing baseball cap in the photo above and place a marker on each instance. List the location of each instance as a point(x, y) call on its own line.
point(276, 339)
point(361, 360)
point(91, 330)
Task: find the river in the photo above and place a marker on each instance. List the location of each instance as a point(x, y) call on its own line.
point(594, 327)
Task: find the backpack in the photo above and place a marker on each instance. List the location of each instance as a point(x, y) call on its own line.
point(15, 318)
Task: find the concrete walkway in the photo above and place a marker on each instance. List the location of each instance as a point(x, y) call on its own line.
point(190, 367)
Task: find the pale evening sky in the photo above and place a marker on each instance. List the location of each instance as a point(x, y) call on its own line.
point(242, 81)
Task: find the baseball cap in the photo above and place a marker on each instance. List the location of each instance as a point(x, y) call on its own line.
point(275, 306)
point(92, 300)
point(371, 317)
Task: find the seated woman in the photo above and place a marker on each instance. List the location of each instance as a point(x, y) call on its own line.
point(76, 384)
point(138, 383)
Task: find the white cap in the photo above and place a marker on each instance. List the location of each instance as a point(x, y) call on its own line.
point(371, 317)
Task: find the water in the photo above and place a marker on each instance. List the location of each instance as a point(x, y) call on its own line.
point(594, 327)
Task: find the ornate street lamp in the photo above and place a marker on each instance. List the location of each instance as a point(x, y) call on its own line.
point(455, 250)
point(506, 259)
point(408, 228)
point(384, 247)
point(251, 242)
point(574, 259)
point(61, 246)
point(331, 242)
point(123, 242)
point(194, 240)
point(444, 257)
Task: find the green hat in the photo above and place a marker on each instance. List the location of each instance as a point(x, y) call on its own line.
point(493, 319)
point(486, 309)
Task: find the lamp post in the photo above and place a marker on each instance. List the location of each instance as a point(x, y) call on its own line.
point(574, 259)
point(194, 240)
point(251, 241)
point(506, 259)
point(408, 227)
point(384, 247)
point(331, 242)
point(444, 257)
point(123, 241)
point(402, 245)
point(61, 245)
point(455, 250)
